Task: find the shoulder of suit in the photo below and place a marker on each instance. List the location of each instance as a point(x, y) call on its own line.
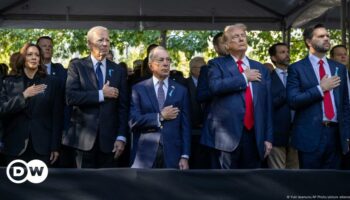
point(299, 63)
point(177, 85)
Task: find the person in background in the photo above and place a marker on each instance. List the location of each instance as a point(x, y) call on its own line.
point(283, 155)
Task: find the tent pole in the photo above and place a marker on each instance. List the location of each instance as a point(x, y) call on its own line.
point(343, 21)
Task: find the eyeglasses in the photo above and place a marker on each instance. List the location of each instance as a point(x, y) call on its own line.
point(160, 60)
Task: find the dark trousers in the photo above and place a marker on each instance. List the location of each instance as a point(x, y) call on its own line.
point(328, 153)
point(159, 161)
point(95, 158)
point(200, 154)
point(245, 156)
point(30, 154)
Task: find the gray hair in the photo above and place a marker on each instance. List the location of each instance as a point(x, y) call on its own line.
point(151, 55)
point(234, 26)
point(94, 29)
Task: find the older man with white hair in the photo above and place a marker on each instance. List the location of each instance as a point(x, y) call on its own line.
point(97, 90)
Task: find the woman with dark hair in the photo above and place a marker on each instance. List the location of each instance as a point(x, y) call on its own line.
point(31, 106)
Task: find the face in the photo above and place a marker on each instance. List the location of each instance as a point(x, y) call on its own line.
point(160, 65)
point(341, 55)
point(236, 40)
point(46, 47)
point(220, 48)
point(282, 56)
point(32, 58)
point(99, 44)
point(196, 68)
point(320, 41)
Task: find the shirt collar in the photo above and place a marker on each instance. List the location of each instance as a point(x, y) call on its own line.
point(156, 80)
point(95, 61)
point(244, 60)
point(314, 59)
point(279, 71)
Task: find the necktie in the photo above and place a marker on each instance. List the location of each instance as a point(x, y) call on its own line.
point(327, 101)
point(99, 75)
point(249, 112)
point(161, 95)
point(284, 75)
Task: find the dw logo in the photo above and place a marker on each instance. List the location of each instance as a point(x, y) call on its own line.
point(35, 171)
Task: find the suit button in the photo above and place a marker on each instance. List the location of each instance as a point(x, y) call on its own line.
point(161, 127)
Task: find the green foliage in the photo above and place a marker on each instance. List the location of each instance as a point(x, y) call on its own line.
point(131, 45)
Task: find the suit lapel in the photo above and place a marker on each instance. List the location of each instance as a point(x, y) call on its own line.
point(276, 81)
point(255, 85)
point(309, 71)
point(152, 94)
point(171, 92)
point(111, 74)
point(336, 91)
point(231, 65)
point(88, 66)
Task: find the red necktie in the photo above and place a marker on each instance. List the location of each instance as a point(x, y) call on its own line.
point(327, 101)
point(249, 112)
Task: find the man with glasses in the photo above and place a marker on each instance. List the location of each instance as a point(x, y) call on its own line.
point(159, 118)
point(240, 117)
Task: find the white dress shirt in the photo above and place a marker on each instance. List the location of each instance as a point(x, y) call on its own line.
point(315, 65)
point(245, 66)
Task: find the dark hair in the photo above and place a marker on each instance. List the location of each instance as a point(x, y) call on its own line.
point(309, 32)
point(150, 47)
point(44, 37)
point(3, 69)
point(20, 64)
point(273, 48)
point(216, 38)
point(337, 46)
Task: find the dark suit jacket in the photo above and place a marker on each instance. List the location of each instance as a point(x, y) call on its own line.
point(281, 112)
point(38, 117)
point(59, 72)
point(176, 133)
point(306, 99)
point(195, 107)
point(90, 117)
point(227, 108)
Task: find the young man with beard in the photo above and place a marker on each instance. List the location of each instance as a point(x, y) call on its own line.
point(317, 90)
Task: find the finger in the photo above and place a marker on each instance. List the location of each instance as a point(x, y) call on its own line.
point(107, 83)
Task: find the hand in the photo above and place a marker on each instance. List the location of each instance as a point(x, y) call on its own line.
point(110, 92)
point(329, 83)
point(118, 148)
point(169, 112)
point(54, 156)
point(252, 74)
point(183, 164)
point(34, 90)
point(268, 147)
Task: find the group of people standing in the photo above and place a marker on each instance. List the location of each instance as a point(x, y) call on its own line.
point(232, 113)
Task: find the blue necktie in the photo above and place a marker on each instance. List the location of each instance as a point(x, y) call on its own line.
point(99, 75)
point(284, 75)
